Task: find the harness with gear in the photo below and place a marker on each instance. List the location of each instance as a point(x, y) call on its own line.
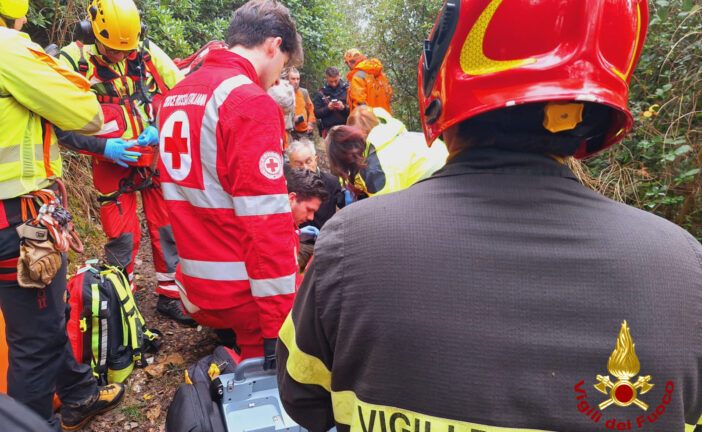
point(45, 233)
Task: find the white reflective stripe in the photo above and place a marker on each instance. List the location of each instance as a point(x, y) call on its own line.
point(165, 277)
point(273, 287)
point(168, 287)
point(208, 135)
point(213, 270)
point(261, 205)
point(214, 198)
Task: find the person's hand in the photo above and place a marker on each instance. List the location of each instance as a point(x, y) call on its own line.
point(269, 358)
point(309, 230)
point(339, 105)
point(116, 149)
point(148, 137)
point(310, 128)
point(331, 105)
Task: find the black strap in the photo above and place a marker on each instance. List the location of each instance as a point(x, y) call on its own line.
point(82, 63)
point(70, 60)
point(126, 185)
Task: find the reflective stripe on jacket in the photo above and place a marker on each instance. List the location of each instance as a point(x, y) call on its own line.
point(490, 298)
point(35, 88)
point(395, 158)
point(122, 81)
point(222, 179)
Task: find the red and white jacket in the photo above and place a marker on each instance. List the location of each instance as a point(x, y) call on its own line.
point(222, 178)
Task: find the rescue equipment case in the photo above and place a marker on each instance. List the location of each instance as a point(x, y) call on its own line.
point(245, 400)
point(249, 399)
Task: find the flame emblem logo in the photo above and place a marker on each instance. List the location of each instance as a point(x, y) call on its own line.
point(473, 59)
point(624, 364)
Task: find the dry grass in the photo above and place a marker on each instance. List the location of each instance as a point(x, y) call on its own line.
point(82, 200)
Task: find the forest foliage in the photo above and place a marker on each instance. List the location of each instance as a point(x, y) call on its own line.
point(656, 168)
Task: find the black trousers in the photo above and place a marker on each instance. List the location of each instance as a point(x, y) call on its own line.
point(41, 361)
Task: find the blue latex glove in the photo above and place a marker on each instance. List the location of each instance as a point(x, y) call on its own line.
point(308, 234)
point(348, 197)
point(310, 231)
point(148, 137)
point(116, 149)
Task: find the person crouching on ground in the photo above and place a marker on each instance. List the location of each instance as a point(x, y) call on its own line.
point(303, 155)
point(224, 187)
point(376, 154)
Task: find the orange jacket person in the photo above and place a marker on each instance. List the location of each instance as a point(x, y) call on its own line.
point(368, 85)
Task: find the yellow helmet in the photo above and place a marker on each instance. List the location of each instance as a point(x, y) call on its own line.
point(116, 23)
point(353, 55)
point(14, 9)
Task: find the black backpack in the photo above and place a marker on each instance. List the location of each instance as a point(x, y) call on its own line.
point(195, 407)
point(194, 410)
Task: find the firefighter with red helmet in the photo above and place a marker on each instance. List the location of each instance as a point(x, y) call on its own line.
point(130, 76)
point(500, 293)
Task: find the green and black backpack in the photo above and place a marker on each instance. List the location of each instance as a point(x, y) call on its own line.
point(105, 328)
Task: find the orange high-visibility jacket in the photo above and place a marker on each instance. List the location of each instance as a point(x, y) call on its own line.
point(304, 107)
point(369, 85)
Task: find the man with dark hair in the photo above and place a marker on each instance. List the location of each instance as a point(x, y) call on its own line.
point(302, 155)
point(222, 168)
point(258, 20)
point(306, 192)
point(500, 294)
point(330, 102)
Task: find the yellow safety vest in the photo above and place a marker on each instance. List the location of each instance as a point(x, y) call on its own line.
point(36, 91)
point(395, 158)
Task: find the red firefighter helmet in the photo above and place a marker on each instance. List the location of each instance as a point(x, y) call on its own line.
point(484, 55)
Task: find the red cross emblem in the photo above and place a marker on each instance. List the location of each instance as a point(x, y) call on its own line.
point(271, 165)
point(176, 144)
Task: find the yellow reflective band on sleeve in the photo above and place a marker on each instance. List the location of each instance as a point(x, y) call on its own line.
point(302, 367)
point(307, 369)
point(378, 418)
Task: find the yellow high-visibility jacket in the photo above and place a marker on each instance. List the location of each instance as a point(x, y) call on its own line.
point(395, 158)
point(36, 90)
